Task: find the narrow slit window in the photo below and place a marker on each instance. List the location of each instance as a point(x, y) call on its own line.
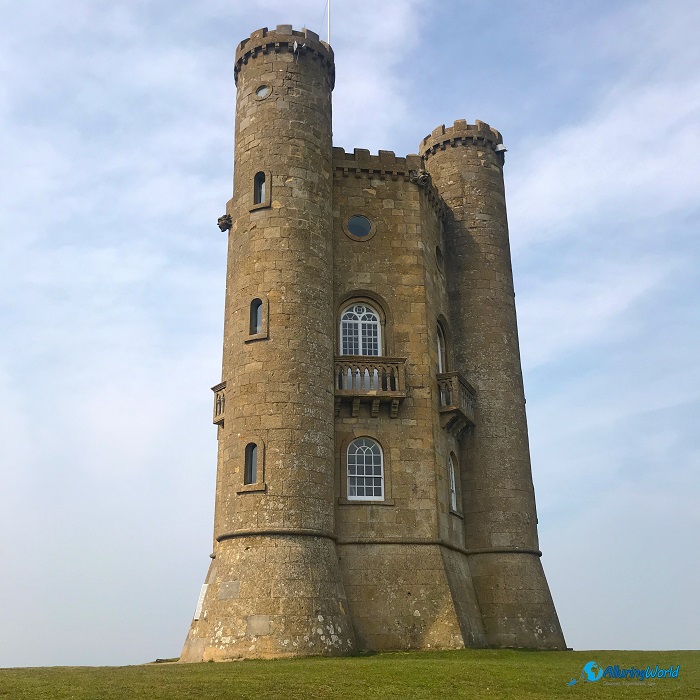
point(442, 359)
point(256, 316)
point(259, 188)
point(453, 484)
point(250, 475)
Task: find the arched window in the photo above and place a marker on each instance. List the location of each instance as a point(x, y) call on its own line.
point(250, 474)
point(360, 331)
point(441, 350)
point(453, 483)
point(256, 316)
point(365, 470)
point(259, 188)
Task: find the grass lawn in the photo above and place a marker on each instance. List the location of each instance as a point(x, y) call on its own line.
point(415, 675)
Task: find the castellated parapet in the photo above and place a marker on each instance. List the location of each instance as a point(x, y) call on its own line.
point(373, 483)
point(460, 134)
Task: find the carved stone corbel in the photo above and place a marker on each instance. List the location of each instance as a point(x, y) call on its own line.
point(419, 177)
point(225, 222)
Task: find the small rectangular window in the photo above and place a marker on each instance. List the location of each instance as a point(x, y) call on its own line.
point(259, 188)
point(453, 484)
point(251, 464)
point(256, 316)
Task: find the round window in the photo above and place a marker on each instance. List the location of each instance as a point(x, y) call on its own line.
point(263, 91)
point(359, 226)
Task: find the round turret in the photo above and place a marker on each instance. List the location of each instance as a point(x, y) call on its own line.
point(275, 586)
point(466, 164)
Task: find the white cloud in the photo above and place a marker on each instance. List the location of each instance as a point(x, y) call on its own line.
point(631, 163)
point(583, 306)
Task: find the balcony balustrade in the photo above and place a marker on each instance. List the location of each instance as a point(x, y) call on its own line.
point(219, 403)
point(373, 380)
point(457, 398)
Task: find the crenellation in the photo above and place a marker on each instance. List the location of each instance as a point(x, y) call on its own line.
point(461, 133)
point(281, 40)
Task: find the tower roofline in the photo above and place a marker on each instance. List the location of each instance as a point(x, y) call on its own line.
point(460, 133)
point(282, 39)
point(385, 163)
point(386, 166)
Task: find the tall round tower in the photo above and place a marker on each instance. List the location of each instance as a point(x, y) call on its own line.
point(466, 164)
point(274, 586)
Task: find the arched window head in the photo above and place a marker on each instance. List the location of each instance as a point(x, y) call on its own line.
point(259, 188)
point(365, 470)
point(453, 482)
point(441, 350)
point(360, 331)
point(250, 473)
point(256, 316)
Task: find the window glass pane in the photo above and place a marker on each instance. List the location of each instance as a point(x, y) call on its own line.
point(259, 188)
point(453, 484)
point(365, 470)
point(360, 332)
point(258, 317)
point(250, 475)
point(359, 226)
point(442, 364)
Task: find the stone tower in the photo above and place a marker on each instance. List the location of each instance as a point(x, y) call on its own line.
point(373, 484)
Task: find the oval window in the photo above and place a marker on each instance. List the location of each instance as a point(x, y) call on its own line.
point(359, 226)
point(262, 92)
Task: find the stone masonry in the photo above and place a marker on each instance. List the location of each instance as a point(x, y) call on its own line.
point(373, 486)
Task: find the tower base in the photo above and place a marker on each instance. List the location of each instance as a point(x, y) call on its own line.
point(516, 606)
point(410, 596)
point(272, 596)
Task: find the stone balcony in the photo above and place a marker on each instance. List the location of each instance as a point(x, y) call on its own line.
point(219, 403)
point(372, 380)
point(457, 398)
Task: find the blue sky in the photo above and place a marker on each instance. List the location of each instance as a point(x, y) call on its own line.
point(116, 143)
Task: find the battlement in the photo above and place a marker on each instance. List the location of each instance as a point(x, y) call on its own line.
point(386, 165)
point(460, 134)
point(282, 39)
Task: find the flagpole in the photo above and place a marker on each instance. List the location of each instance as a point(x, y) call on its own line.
point(329, 22)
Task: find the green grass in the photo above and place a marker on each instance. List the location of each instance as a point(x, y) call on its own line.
point(473, 674)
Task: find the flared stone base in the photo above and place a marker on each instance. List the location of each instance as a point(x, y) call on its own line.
point(272, 596)
point(516, 606)
point(410, 596)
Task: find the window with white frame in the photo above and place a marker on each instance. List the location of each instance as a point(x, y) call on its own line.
point(365, 470)
point(360, 331)
point(453, 483)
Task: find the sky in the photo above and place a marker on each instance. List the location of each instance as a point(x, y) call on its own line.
point(116, 157)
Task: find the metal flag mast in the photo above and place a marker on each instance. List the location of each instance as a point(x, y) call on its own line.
point(329, 21)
